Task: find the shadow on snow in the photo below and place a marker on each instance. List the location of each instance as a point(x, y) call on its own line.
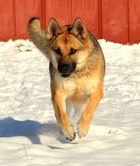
point(10, 127)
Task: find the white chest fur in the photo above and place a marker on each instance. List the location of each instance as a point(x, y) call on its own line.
point(80, 87)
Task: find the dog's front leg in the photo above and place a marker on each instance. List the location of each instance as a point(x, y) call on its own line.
point(58, 99)
point(86, 117)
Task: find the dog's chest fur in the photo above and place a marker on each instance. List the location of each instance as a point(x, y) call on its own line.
point(77, 89)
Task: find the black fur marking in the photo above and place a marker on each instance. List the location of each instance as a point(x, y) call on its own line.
point(66, 39)
point(58, 51)
point(69, 28)
point(72, 51)
point(32, 19)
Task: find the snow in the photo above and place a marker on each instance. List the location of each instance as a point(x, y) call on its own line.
point(29, 135)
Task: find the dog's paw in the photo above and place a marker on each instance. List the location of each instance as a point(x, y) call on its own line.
point(82, 128)
point(69, 133)
point(72, 137)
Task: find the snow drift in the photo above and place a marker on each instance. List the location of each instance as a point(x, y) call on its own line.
point(29, 134)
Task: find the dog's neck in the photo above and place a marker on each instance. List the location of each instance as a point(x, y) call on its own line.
point(89, 66)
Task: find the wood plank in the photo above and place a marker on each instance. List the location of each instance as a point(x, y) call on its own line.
point(115, 20)
point(89, 12)
point(134, 21)
point(60, 10)
point(7, 29)
point(24, 11)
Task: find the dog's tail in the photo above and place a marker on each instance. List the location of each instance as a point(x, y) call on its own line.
point(38, 35)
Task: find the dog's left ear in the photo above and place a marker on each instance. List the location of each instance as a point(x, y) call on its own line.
point(78, 28)
point(53, 28)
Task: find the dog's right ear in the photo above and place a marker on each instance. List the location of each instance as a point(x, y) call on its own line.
point(53, 29)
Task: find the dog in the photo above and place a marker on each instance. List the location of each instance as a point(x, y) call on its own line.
point(77, 69)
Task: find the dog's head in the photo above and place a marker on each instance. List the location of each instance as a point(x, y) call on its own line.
point(67, 47)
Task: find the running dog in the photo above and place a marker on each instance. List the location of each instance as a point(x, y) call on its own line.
point(77, 69)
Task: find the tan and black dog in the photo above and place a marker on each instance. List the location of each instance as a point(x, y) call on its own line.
point(77, 68)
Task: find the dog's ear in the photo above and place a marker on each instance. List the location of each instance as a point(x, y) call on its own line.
point(78, 28)
point(53, 28)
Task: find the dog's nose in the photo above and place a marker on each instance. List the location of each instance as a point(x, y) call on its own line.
point(66, 69)
point(63, 67)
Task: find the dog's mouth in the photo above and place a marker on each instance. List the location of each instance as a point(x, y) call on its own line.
point(65, 75)
point(66, 69)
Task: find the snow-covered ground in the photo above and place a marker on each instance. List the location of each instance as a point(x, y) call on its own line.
point(29, 135)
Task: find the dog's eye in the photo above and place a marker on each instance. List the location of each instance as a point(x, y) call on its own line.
point(58, 51)
point(72, 51)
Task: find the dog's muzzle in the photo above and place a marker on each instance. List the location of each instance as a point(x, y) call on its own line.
point(66, 69)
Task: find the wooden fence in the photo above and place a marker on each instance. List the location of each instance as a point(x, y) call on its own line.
point(113, 20)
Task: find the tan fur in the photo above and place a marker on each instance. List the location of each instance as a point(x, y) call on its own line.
point(84, 86)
